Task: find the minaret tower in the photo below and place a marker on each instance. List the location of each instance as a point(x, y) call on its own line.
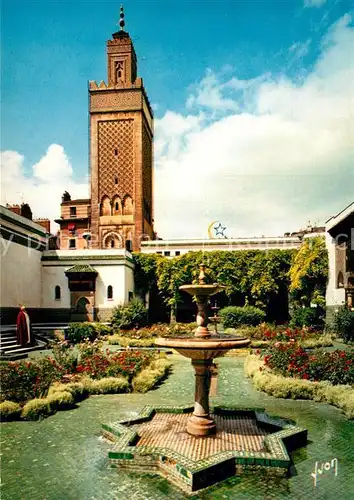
point(121, 151)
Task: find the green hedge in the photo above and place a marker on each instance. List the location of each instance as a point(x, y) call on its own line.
point(233, 316)
point(307, 316)
point(78, 332)
point(128, 342)
point(343, 324)
point(132, 315)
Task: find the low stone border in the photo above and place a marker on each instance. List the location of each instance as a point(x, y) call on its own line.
point(192, 475)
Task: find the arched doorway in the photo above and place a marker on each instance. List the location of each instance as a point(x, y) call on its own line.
point(82, 309)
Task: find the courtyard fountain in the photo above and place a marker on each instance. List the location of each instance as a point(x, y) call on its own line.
point(197, 446)
point(202, 349)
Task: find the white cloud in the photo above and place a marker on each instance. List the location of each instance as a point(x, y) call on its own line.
point(262, 155)
point(208, 94)
point(314, 3)
point(270, 160)
point(42, 190)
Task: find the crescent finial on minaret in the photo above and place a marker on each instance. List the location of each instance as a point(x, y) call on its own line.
point(121, 20)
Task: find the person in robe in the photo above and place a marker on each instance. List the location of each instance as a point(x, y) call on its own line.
point(23, 328)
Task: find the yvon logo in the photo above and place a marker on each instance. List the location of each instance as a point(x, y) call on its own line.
point(324, 467)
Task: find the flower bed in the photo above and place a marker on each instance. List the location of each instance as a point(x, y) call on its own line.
point(307, 343)
point(74, 373)
point(291, 359)
point(265, 335)
point(98, 364)
point(279, 386)
point(24, 380)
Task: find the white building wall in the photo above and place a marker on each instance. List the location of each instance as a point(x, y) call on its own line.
point(334, 296)
point(209, 245)
point(119, 273)
point(52, 276)
point(113, 275)
point(20, 275)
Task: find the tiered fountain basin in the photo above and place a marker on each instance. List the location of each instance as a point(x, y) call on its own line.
point(247, 441)
point(203, 348)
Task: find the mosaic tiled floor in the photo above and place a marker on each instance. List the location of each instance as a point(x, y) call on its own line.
point(234, 433)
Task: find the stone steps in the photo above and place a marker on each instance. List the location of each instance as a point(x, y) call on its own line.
point(10, 350)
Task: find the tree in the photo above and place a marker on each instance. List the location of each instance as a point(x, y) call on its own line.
point(309, 273)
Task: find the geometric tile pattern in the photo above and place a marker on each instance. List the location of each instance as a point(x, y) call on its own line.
point(126, 100)
point(196, 469)
point(112, 136)
point(147, 171)
point(234, 433)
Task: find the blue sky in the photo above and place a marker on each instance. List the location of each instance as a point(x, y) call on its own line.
point(51, 49)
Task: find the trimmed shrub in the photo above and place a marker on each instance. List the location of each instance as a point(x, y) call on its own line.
point(283, 387)
point(78, 332)
point(86, 381)
point(233, 316)
point(114, 339)
point(343, 324)
point(244, 331)
point(158, 330)
point(260, 344)
point(36, 409)
point(307, 316)
point(109, 385)
point(324, 340)
point(132, 315)
point(61, 400)
point(127, 342)
point(148, 378)
point(102, 329)
point(9, 410)
point(76, 389)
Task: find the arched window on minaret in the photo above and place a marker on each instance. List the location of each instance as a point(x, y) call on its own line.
point(127, 205)
point(112, 240)
point(119, 71)
point(105, 206)
point(117, 206)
